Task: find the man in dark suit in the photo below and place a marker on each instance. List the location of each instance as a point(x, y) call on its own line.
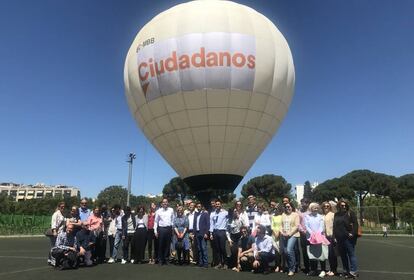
point(201, 227)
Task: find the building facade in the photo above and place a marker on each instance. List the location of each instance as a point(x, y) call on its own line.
point(300, 190)
point(20, 192)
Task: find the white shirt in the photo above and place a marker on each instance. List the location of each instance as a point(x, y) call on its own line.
point(262, 219)
point(140, 223)
point(198, 223)
point(112, 228)
point(130, 225)
point(191, 220)
point(118, 222)
point(244, 217)
point(58, 221)
point(163, 218)
point(264, 244)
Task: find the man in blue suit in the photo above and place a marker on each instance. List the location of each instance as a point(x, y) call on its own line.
point(201, 227)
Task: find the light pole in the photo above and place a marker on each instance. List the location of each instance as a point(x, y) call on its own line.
point(131, 157)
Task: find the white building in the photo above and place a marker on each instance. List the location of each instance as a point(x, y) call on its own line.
point(300, 189)
point(20, 192)
point(150, 195)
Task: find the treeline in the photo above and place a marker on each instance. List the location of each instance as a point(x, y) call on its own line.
point(110, 196)
point(358, 186)
point(361, 185)
point(45, 206)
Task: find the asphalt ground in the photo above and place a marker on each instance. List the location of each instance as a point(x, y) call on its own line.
point(25, 258)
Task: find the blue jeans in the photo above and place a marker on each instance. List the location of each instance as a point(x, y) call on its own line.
point(348, 257)
point(117, 242)
point(202, 250)
point(289, 251)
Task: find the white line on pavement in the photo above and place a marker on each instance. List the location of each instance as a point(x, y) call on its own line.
point(23, 270)
point(386, 272)
point(23, 257)
point(387, 243)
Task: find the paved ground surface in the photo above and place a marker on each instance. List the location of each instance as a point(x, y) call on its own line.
point(24, 258)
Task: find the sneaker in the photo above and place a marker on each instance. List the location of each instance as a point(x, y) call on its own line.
point(217, 266)
point(124, 261)
point(353, 274)
point(111, 260)
point(291, 273)
point(132, 261)
point(322, 274)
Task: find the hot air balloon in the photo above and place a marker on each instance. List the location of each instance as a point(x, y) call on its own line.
point(209, 83)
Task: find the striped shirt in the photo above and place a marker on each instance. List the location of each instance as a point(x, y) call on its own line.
point(65, 241)
point(251, 213)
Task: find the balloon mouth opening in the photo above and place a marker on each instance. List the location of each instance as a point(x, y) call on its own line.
point(210, 186)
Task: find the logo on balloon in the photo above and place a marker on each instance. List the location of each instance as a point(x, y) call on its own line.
point(197, 61)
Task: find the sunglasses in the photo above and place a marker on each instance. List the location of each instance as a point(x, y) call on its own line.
point(327, 206)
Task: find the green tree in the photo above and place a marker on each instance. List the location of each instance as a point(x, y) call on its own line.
point(113, 195)
point(362, 182)
point(307, 190)
point(227, 198)
point(406, 183)
point(377, 209)
point(387, 186)
point(141, 200)
point(267, 187)
point(332, 189)
point(407, 213)
point(176, 189)
point(5, 204)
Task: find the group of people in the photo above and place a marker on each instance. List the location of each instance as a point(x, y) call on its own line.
point(260, 239)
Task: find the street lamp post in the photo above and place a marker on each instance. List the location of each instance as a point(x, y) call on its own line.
point(131, 157)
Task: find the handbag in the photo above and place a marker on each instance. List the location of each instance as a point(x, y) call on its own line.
point(318, 252)
point(359, 234)
point(49, 231)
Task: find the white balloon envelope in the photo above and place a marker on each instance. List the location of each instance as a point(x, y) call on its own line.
point(209, 83)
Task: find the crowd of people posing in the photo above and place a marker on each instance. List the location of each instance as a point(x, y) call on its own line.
point(260, 239)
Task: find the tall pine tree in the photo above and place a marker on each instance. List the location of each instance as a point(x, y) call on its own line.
point(307, 190)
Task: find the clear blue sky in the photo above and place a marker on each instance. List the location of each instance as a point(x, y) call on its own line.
point(64, 117)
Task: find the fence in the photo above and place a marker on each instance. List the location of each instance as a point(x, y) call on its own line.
point(23, 224)
point(375, 217)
